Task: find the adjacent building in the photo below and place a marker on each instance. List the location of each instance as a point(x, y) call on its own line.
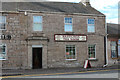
point(113, 43)
point(51, 34)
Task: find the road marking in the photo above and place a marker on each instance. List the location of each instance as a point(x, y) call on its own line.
point(56, 73)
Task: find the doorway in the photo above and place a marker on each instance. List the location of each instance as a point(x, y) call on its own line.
point(37, 57)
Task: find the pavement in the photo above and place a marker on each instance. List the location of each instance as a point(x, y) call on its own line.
point(16, 72)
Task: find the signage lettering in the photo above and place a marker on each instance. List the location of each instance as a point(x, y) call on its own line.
point(63, 37)
point(5, 37)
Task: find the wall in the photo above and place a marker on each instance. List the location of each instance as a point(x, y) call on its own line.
point(19, 49)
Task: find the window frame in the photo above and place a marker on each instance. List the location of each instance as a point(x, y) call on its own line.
point(5, 51)
point(75, 53)
point(3, 23)
point(95, 52)
point(90, 25)
point(68, 24)
point(37, 23)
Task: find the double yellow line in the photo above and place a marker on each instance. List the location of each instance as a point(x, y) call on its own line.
point(55, 73)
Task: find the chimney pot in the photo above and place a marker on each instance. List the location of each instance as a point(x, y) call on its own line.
point(86, 2)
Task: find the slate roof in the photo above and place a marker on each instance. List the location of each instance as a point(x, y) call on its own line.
point(113, 29)
point(50, 7)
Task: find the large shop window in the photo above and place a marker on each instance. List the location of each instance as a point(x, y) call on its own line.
point(70, 52)
point(113, 49)
point(2, 51)
point(37, 23)
point(91, 25)
point(68, 24)
point(2, 22)
point(119, 48)
point(92, 51)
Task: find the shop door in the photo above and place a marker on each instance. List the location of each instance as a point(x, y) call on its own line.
point(37, 58)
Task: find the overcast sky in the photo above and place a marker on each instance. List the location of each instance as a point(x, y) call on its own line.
point(108, 7)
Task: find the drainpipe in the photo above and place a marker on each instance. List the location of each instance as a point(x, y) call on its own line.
point(106, 54)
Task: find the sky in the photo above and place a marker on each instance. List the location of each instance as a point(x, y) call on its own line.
point(107, 7)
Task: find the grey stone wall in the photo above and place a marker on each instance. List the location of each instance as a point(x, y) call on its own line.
point(19, 50)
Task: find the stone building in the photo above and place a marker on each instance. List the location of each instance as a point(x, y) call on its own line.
point(113, 44)
point(51, 34)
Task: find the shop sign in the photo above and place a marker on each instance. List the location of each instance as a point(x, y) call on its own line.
point(65, 37)
point(5, 37)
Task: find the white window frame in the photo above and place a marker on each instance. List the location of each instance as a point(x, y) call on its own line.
point(38, 23)
point(68, 24)
point(75, 54)
point(95, 52)
point(91, 24)
point(3, 23)
point(5, 51)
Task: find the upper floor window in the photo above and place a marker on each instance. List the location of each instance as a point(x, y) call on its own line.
point(70, 52)
point(91, 25)
point(68, 24)
point(91, 51)
point(2, 51)
point(37, 23)
point(2, 22)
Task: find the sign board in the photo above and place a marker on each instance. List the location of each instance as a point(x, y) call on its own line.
point(70, 37)
point(87, 64)
point(5, 37)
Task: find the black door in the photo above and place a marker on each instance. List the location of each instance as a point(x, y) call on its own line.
point(37, 58)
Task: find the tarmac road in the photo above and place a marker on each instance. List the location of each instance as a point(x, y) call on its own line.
point(112, 74)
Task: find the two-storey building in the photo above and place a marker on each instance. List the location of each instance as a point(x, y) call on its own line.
point(51, 34)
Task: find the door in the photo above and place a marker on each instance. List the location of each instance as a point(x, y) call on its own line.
point(37, 58)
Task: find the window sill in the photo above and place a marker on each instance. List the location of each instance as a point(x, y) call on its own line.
point(91, 32)
point(2, 29)
point(115, 58)
point(93, 59)
point(2, 59)
point(71, 59)
point(69, 32)
point(37, 32)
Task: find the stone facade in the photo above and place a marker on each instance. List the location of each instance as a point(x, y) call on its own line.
point(19, 48)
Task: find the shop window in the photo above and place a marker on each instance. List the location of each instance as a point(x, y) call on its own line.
point(37, 23)
point(119, 48)
point(70, 52)
point(113, 49)
point(2, 22)
point(92, 51)
point(119, 41)
point(68, 24)
point(91, 25)
point(2, 51)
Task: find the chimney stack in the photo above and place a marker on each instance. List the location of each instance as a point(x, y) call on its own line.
point(85, 2)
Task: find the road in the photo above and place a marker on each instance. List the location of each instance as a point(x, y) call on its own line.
point(113, 73)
